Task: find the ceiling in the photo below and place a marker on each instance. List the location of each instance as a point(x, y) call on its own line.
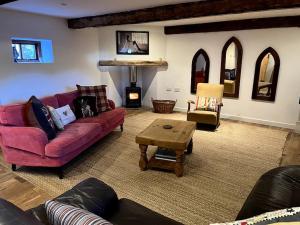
point(82, 8)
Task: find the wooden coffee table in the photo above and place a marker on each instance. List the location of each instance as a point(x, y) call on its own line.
point(178, 138)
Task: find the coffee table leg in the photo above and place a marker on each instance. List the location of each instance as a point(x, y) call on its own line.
point(143, 160)
point(179, 163)
point(190, 147)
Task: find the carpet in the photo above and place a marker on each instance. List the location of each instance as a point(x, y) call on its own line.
point(218, 176)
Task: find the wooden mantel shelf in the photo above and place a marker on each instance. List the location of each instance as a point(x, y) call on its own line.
point(159, 63)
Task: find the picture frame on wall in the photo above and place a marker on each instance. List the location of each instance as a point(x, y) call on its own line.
point(132, 42)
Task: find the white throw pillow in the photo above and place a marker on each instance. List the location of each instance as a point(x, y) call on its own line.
point(56, 118)
point(66, 114)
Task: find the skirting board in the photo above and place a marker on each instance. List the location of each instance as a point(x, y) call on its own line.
point(251, 120)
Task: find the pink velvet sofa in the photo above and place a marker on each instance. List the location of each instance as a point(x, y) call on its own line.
point(29, 146)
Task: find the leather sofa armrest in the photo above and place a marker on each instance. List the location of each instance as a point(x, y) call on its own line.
point(92, 195)
point(111, 104)
point(30, 139)
point(12, 215)
point(277, 189)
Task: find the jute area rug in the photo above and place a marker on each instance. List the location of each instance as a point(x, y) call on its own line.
point(218, 176)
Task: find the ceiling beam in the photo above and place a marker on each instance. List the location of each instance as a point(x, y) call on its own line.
point(248, 24)
point(2, 2)
point(181, 11)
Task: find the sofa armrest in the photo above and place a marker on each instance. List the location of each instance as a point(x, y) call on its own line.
point(92, 195)
point(111, 104)
point(277, 189)
point(30, 139)
point(12, 215)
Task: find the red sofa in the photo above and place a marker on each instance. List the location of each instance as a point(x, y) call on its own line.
point(29, 146)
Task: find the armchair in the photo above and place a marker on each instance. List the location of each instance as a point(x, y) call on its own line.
point(206, 117)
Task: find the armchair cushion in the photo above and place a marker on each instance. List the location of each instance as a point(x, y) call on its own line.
point(206, 117)
point(207, 104)
point(29, 139)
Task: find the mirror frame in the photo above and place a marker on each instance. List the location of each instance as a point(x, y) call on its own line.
point(194, 63)
point(238, 66)
point(275, 75)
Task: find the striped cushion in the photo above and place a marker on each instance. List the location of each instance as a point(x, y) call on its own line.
point(207, 104)
point(62, 214)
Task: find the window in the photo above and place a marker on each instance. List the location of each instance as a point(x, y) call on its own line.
point(26, 51)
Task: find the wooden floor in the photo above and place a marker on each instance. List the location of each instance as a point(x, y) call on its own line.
point(25, 195)
point(19, 191)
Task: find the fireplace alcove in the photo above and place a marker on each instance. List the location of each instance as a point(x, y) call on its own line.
point(133, 94)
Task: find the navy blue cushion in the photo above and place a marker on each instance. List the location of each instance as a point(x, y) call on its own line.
point(38, 115)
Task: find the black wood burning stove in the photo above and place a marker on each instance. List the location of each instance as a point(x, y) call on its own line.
point(133, 93)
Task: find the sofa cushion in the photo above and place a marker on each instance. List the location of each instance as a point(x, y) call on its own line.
point(56, 118)
point(85, 106)
point(38, 115)
point(67, 98)
point(66, 114)
point(100, 93)
point(51, 101)
point(63, 214)
point(106, 119)
point(72, 138)
point(12, 115)
point(132, 213)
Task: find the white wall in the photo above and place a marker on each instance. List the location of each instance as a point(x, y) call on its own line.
point(75, 57)
point(77, 53)
point(283, 112)
point(117, 78)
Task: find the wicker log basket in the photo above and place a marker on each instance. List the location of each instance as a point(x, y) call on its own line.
point(163, 106)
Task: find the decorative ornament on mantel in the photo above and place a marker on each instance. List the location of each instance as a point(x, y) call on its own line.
point(142, 63)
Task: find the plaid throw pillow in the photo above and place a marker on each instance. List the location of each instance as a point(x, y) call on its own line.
point(99, 92)
point(207, 104)
point(62, 214)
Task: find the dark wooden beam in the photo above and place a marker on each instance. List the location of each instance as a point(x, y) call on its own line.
point(249, 24)
point(181, 11)
point(2, 2)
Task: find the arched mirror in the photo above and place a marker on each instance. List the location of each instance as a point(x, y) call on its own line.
point(266, 75)
point(231, 65)
point(200, 69)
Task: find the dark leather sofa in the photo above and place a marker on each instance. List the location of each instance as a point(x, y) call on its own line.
point(94, 196)
point(277, 189)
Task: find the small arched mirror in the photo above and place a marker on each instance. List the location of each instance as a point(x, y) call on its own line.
point(200, 69)
point(231, 65)
point(266, 75)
